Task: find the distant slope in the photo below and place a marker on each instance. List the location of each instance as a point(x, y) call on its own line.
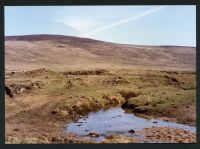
point(67, 52)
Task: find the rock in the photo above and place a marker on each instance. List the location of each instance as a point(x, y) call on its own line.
point(9, 92)
point(155, 122)
point(55, 111)
point(29, 87)
point(141, 109)
point(64, 113)
point(93, 134)
point(16, 129)
point(129, 105)
point(81, 96)
point(22, 90)
point(81, 116)
point(13, 72)
point(131, 131)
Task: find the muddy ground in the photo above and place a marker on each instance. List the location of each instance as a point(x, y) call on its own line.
point(40, 103)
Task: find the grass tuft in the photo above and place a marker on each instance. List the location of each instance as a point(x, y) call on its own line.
point(128, 94)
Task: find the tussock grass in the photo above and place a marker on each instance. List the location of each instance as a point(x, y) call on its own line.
point(171, 98)
point(128, 93)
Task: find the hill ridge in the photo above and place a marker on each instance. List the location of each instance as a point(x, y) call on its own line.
point(53, 51)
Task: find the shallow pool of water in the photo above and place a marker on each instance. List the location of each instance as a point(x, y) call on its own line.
point(117, 121)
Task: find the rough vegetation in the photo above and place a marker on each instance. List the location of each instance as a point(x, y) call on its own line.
point(169, 135)
point(41, 102)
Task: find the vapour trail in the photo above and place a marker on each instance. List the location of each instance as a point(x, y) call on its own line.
point(100, 29)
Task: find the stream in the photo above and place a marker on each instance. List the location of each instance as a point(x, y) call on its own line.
point(117, 121)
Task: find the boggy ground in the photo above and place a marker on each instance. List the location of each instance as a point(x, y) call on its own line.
point(40, 102)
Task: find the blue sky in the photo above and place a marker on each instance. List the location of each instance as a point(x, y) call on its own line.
point(140, 25)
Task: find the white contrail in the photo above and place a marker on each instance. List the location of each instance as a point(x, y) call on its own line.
point(124, 21)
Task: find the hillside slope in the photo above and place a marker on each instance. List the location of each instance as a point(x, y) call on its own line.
point(67, 52)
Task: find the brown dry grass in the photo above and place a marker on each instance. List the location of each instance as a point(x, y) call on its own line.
point(61, 98)
point(64, 52)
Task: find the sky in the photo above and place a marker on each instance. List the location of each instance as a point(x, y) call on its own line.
point(138, 25)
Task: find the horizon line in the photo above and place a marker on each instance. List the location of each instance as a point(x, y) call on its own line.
point(156, 45)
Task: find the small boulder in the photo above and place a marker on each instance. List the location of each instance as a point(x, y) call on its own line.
point(131, 131)
point(93, 134)
point(22, 90)
point(129, 105)
point(141, 109)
